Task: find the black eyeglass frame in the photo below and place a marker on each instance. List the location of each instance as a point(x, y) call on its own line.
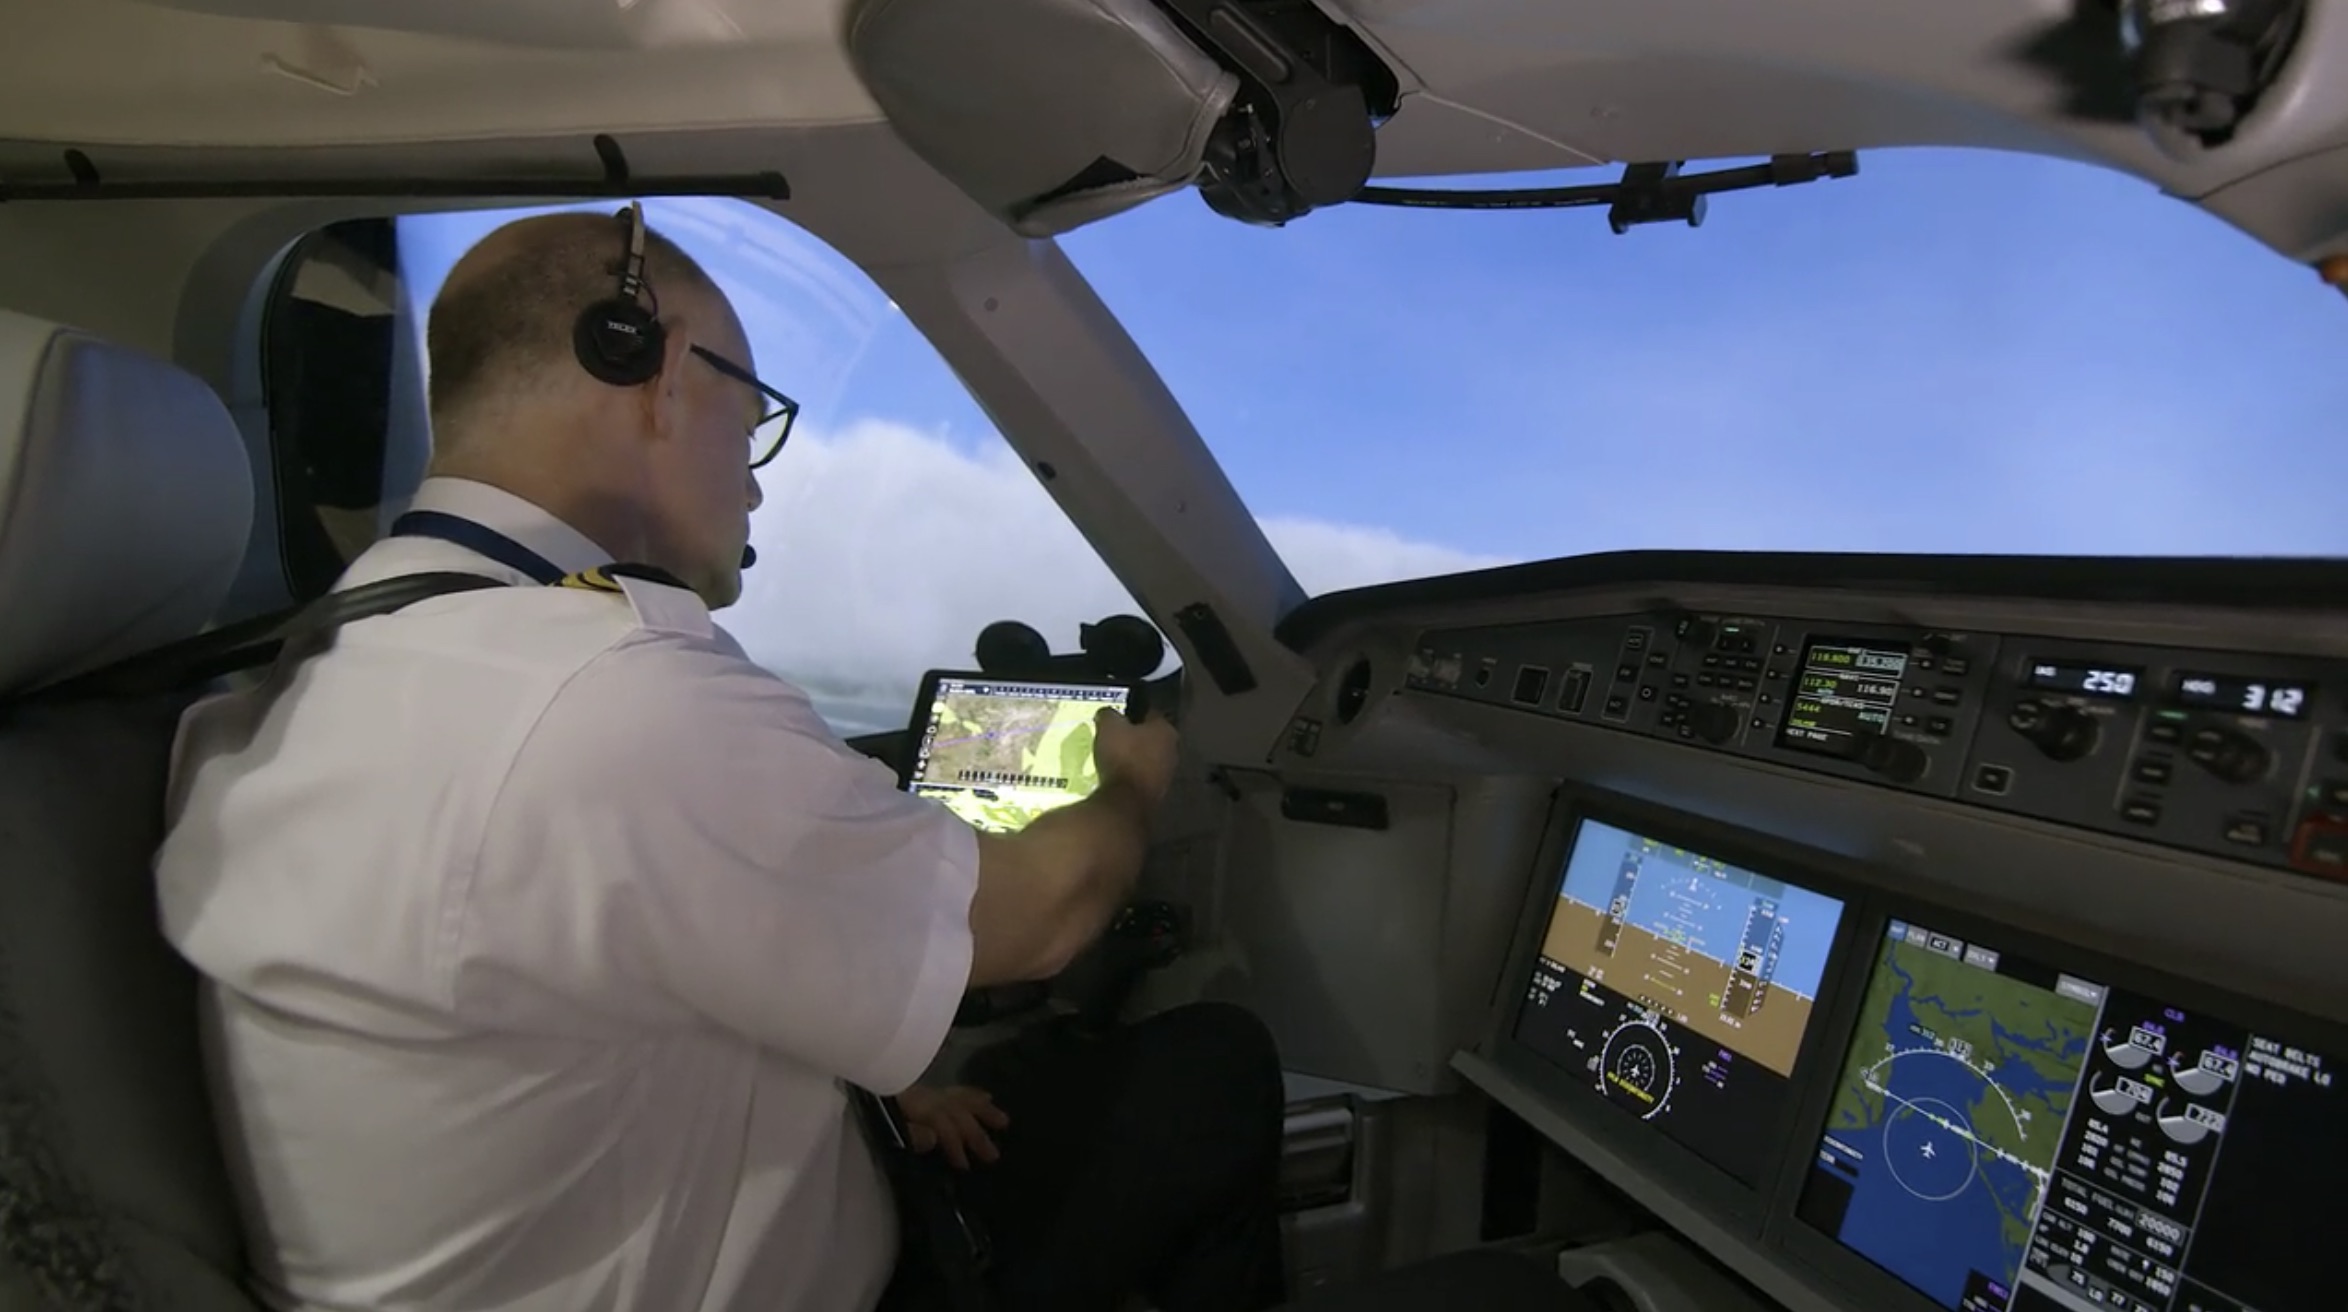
point(785, 408)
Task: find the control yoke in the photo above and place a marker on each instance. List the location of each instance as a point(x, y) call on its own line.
point(1127, 648)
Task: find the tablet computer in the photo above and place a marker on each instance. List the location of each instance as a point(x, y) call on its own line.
point(999, 752)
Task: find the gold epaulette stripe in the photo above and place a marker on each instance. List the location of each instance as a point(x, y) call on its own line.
point(598, 579)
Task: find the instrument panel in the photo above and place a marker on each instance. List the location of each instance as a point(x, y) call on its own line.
point(2207, 751)
point(1899, 1105)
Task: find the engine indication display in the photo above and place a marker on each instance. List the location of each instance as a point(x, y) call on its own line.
point(1680, 987)
point(2279, 700)
point(1847, 689)
point(2116, 683)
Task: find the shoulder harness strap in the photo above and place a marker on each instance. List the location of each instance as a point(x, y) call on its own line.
point(660, 599)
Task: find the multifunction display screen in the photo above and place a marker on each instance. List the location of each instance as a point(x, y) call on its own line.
point(2011, 1137)
point(1846, 690)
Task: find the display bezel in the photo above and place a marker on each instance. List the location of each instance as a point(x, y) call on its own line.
point(1820, 1257)
point(925, 699)
point(1685, 1171)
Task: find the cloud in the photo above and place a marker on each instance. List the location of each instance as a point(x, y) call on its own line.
point(1330, 557)
point(884, 550)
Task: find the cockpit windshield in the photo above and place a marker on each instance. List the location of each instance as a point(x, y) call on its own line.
point(1954, 351)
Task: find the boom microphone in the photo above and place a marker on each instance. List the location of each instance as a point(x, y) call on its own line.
point(749, 555)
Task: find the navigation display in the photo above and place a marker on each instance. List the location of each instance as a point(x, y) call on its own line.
point(2008, 1138)
point(1001, 752)
point(1680, 986)
point(1846, 689)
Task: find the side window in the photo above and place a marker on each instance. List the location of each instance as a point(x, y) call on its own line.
point(343, 393)
point(896, 524)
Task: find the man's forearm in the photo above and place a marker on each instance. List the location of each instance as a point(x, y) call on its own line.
point(1099, 844)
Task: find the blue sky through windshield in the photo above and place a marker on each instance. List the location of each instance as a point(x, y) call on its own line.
point(1954, 351)
point(1951, 352)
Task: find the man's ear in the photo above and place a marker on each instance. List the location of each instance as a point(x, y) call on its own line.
point(664, 396)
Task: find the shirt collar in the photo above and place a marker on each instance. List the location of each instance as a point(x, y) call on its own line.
point(524, 521)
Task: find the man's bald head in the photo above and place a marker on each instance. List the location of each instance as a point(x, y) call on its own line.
point(501, 327)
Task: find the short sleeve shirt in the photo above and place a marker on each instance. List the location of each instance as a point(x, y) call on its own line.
point(540, 929)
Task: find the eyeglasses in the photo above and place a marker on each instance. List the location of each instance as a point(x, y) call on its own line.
point(774, 427)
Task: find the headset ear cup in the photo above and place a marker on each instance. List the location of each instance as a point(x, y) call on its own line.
point(619, 342)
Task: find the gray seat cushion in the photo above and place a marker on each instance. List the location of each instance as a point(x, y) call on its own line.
point(113, 1192)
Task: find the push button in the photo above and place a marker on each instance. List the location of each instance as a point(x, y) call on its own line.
point(1626, 671)
point(2322, 850)
point(2165, 731)
point(2153, 771)
point(1940, 724)
point(1955, 666)
point(2247, 831)
point(2141, 812)
point(1993, 779)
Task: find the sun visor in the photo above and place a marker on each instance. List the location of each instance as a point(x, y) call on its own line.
point(1049, 113)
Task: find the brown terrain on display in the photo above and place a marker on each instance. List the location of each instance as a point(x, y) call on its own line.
point(1686, 985)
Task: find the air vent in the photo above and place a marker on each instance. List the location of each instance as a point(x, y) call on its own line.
point(1353, 693)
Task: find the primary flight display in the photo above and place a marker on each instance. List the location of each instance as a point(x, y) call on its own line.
point(1681, 986)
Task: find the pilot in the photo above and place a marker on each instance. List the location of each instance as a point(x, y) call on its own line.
point(542, 932)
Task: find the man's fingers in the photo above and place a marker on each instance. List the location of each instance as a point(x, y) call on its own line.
point(920, 1138)
point(969, 1139)
point(993, 1116)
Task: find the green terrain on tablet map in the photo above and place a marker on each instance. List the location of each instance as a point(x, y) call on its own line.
point(1009, 759)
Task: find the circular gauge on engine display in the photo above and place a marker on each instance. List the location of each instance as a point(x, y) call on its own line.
point(1637, 1068)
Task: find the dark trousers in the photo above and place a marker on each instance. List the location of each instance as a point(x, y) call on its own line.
point(1144, 1162)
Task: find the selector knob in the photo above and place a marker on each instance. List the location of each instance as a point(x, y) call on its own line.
point(1715, 722)
point(1896, 759)
point(1695, 631)
point(2234, 757)
point(2060, 733)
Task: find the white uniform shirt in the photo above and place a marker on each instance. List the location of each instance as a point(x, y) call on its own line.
point(539, 925)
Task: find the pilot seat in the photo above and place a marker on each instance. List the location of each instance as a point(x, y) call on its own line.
point(126, 502)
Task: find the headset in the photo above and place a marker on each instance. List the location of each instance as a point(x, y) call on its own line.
point(619, 339)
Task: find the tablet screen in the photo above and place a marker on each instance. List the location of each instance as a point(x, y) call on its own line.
point(1000, 752)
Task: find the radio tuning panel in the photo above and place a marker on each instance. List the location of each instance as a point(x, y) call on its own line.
point(2217, 752)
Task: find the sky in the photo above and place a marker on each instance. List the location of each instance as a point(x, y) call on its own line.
point(1954, 351)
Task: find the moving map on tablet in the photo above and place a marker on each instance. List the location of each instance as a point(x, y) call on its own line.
point(1000, 752)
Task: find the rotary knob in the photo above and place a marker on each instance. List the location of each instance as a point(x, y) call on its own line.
point(2229, 755)
point(2060, 733)
point(1715, 722)
point(1896, 759)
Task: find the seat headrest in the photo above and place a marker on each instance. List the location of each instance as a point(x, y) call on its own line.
point(126, 498)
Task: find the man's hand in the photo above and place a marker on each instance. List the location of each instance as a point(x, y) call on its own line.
point(1137, 756)
point(956, 1119)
